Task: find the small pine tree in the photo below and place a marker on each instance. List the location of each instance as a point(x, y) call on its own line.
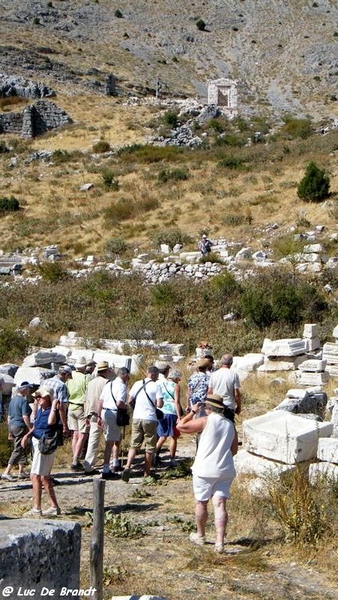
point(200, 24)
point(315, 184)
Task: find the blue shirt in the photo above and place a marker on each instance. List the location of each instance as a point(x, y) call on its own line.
point(41, 424)
point(18, 407)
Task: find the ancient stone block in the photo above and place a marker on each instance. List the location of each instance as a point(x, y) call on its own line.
point(311, 379)
point(313, 365)
point(281, 364)
point(284, 437)
point(326, 470)
point(328, 450)
point(311, 330)
point(37, 554)
point(284, 347)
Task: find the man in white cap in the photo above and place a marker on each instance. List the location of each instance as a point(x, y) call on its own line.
point(77, 421)
point(93, 394)
point(18, 426)
point(205, 245)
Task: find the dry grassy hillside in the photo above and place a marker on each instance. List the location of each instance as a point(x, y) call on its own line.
point(273, 49)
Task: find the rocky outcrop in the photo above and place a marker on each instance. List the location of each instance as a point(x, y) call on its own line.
point(11, 85)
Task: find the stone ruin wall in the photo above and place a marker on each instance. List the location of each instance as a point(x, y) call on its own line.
point(223, 94)
point(34, 120)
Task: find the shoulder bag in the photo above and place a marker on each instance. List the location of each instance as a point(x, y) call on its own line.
point(159, 412)
point(122, 415)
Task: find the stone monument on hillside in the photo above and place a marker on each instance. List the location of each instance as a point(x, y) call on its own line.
point(223, 94)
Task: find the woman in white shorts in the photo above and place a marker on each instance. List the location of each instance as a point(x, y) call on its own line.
point(46, 422)
point(213, 468)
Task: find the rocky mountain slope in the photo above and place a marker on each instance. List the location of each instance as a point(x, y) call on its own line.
point(283, 53)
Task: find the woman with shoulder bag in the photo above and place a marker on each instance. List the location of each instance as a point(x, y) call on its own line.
point(171, 409)
point(45, 427)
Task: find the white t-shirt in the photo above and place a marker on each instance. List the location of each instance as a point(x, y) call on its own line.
point(145, 409)
point(119, 390)
point(224, 382)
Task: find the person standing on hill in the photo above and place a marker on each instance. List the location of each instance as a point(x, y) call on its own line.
point(205, 245)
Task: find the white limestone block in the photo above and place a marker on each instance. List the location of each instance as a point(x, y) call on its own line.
point(296, 393)
point(43, 357)
point(251, 464)
point(323, 469)
point(286, 364)
point(284, 347)
point(133, 362)
point(249, 362)
point(33, 375)
point(330, 353)
point(312, 344)
point(311, 379)
point(335, 331)
point(284, 437)
point(309, 248)
point(313, 366)
point(311, 330)
point(8, 383)
point(328, 450)
point(191, 257)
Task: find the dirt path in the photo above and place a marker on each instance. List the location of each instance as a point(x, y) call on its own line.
point(163, 561)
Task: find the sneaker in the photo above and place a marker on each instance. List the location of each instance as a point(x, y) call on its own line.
point(219, 547)
point(23, 475)
point(33, 512)
point(8, 477)
point(197, 539)
point(92, 472)
point(125, 475)
point(172, 463)
point(52, 511)
point(110, 475)
point(157, 460)
point(77, 467)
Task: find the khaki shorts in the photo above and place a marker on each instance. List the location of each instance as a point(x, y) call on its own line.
point(76, 418)
point(42, 463)
point(143, 431)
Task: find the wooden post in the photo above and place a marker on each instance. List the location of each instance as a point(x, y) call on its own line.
point(96, 548)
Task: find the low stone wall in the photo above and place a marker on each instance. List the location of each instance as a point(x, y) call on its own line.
point(38, 554)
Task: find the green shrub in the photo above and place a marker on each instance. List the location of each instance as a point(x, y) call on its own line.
point(53, 272)
point(232, 162)
point(115, 246)
point(60, 156)
point(200, 24)
point(211, 257)
point(296, 128)
point(232, 140)
point(9, 204)
point(219, 124)
point(101, 147)
point(151, 154)
point(118, 211)
point(14, 343)
point(171, 118)
point(173, 174)
point(3, 148)
point(109, 180)
point(315, 184)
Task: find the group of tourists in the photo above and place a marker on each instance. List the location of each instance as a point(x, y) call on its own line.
point(77, 403)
